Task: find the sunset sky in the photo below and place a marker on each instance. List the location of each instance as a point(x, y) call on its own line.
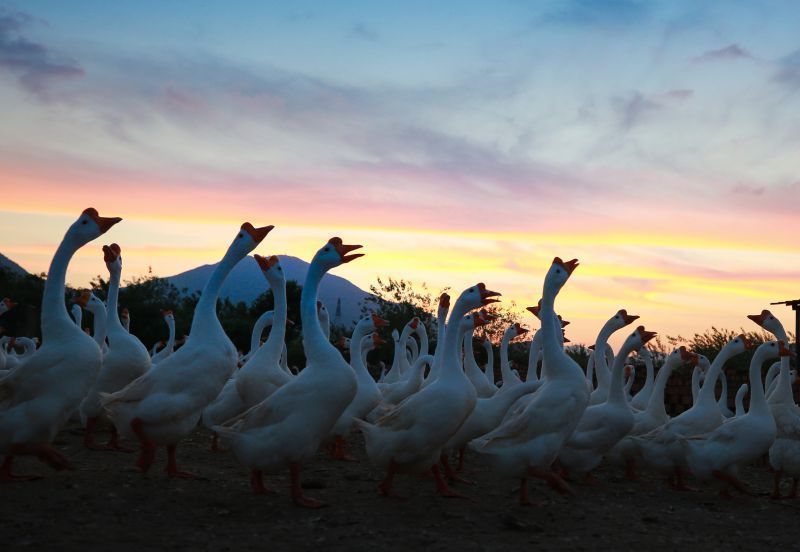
point(658, 142)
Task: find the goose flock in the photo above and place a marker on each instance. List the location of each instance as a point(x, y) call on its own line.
point(559, 423)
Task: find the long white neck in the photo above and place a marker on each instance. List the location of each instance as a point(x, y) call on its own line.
point(706, 394)
point(696, 385)
point(258, 329)
point(600, 364)
point(655, 406)
point(533, 357)
point(552, 352)
point(402, 362)
point(77, 314)
point(451, 363)
point(649, 378)
point(277, 336)
point(590, 369)
point(758, 402)
point(114, 325)
point(205, 313)
point(487, 345)
point(412, 349)
point(99, 326)
point(356, 360)
point(739, 400)
point(422, 333)
point(315, 341)
point(616, 391)
point(55, 319)
point(505, 365)
point(783, 391)
point(171, 339)
point(723, 396)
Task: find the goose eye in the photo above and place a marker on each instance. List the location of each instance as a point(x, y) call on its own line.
point(84, 221)
point(558, 271)
point(240, 236)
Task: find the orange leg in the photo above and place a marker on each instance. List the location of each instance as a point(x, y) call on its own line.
point(297, 492)
point(147, 450)
point(732, 481)
point(46, 453)
point(554, 480)
point(630, 470)
point(257, 483)
point(7, 474)
point(776, 488)
point(461, 452)
point(441, 485)
point(339, 450)
point(680, 481)
point(113, 441)
point(450, 473)
point(172, 465)
point(385, 488)
point(88, 434)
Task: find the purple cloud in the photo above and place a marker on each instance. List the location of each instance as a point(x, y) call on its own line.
point(731, 51)
point(33, 64)
point(789, 69)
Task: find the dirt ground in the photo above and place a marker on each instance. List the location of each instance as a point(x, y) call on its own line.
point(105, 503)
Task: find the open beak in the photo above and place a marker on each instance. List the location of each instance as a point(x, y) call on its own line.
point(444, 301)
point(645, 335)
point(759, 318)
point(379, 322)
point(257, 234)
point(414, 323)
point(627, 318)
point(487, 295)
point(265, 263)
point(344, 249)
point(520, 330)
point(377, 340)
point(569, 266)
point(534, 310)
point(564, 323)
point(104, 223)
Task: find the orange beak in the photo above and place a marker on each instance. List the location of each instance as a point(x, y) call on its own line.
point(379, 322)
point(569, 266)
point(627, 318)
point(344, 249)
point(82, 299)
point(266, 263)
point(565, 339)
point(784, 351)
point(519, 329)
point(645, 335)
point(487, 295)
point(104, 223)
point(534, 310)
point(444, 301)
point(111, 252)
point(564, 323)
point(590, 347)
point(414, 323)
point(759, 318)
point(257, 234)
point(377, 340)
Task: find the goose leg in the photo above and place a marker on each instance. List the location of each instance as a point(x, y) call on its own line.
point(524, 498)
point(8, 475)
point(630, 470)
point(776, 488)
point(460, 466)
point(172, 465)
point(732, 480)
point(385, 488)
point(88, 434)
point(147, 452)
point(113, 441)
point(450, 473)
point(680, 482)
point(553, 480)
point(339, 450)
point(257, 483)
point(441, 485)
point(297, 492)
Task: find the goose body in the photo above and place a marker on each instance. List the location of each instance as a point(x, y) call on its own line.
point(38, 397)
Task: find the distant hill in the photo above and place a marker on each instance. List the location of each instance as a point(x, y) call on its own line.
point(246, 282)
point(10, 266)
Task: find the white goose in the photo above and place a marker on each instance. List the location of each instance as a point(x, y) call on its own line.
point(368, 395)
point(661, 448)
point(169, 320)
point(615, 323)
point(482, 386)
point(164, 405)
point(739, 400)
point(37, 398)
point(603, 425)
point(441, 329)
point(526, 444)
point(654, 416)
point(641, 399)
point(739, 440)
point(784, 454)
point(410, 437)
point(510, 378)
point(288, 427)
point(126, 359)
point(488, 370)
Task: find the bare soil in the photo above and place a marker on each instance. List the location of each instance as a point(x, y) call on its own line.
point(105, 503)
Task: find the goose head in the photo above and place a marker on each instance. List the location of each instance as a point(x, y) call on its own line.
point(620, 320)
point(635, 340)
point(444, 304)
point(558, 274)
point(768, 321)
point(94, 304)
point(737, 345)
point(477, 296)
point(322, 313)
point(414, 323)
point(514, 331)
point(343, 343)
point(7, 304)
point(535, 310)
point(772, 349)
point(335, 253)
point(82, 299)
point(247, 238)
point(89, 226)
point(686, 355)
point(112, 255)
point(125, 314)
point(272, 270)
point(168, 316)
point(376, 340)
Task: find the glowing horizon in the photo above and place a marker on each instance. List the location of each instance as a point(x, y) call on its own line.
point(655, 142)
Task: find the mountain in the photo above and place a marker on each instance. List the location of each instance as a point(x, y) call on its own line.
point(246, 282)
point(10, 266)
